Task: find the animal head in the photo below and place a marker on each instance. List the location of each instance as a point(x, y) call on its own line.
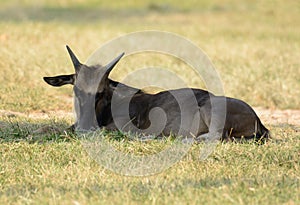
point(87, 81)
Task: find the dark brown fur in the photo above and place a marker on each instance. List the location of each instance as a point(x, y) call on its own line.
point(240, 119)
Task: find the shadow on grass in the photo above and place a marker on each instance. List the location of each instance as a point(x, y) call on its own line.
point(15, 129)
point(75, 14)
point(48, 131)
point(22, 131)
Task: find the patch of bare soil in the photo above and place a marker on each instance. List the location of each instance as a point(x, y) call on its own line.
point(271, 116)
point(267, 116)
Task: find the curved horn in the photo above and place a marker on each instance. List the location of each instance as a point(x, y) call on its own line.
point(112, 64)
point(75, 61)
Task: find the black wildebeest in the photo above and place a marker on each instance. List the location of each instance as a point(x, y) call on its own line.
point(102, 102)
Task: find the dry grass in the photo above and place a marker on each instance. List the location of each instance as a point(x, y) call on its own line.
point(255, 46)
point(55, 168)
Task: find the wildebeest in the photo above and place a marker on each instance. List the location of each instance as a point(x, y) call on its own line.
point(102, 102)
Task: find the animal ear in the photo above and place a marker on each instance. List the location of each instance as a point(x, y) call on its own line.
point(60, 80)
point(112, 64)
point(74, 59)
point(105, 81)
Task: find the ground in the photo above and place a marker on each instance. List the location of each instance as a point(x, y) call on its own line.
point(267, 116)
point(254, 45)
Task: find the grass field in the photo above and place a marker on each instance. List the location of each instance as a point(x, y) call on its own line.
point(255, 47)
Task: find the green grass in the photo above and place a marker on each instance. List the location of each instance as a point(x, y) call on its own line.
point(55, 168)
point(255, 47)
